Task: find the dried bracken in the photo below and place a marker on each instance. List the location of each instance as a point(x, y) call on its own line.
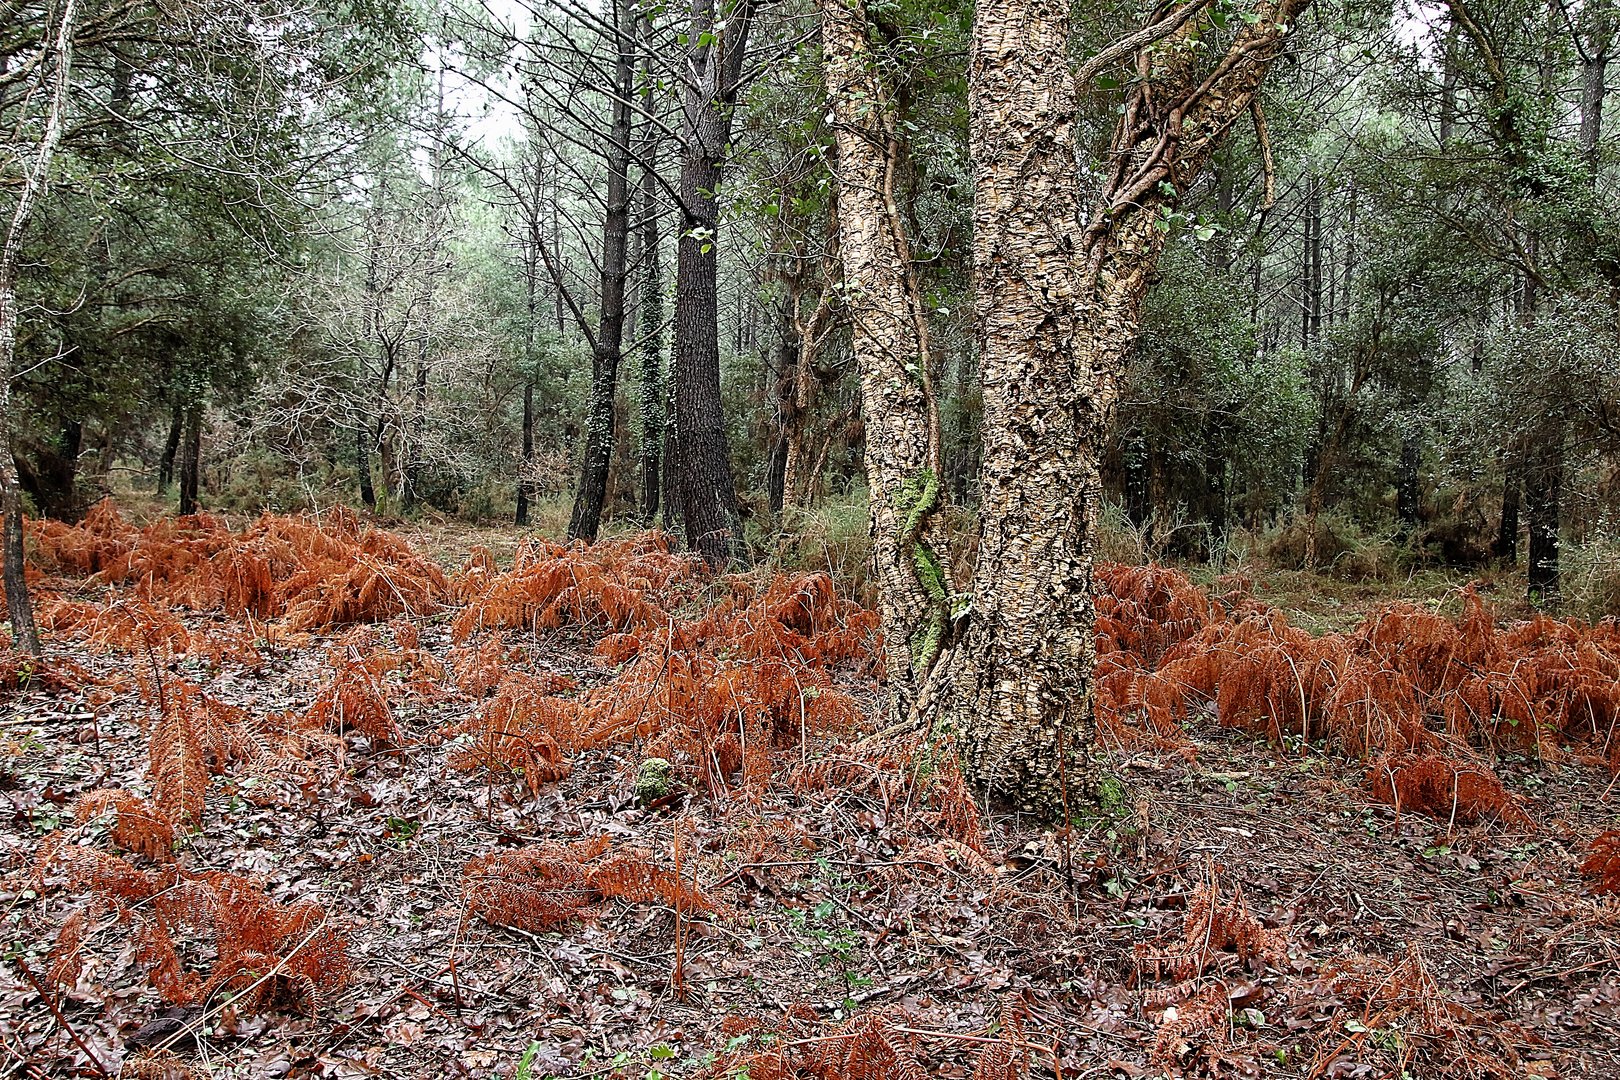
point(1441, 787)
point(134, 824)
point(1200, 1024)
point(1602, 862)
point(535, 888)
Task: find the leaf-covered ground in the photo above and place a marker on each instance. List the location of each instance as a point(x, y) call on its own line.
point(1234, 906)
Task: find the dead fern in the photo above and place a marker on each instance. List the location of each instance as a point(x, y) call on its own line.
point(1442, 788)
point(135, 825)
point(532, 888)
point(516, 733)
point(1200, 1025)
point(1602, 862)
point(867, 1047)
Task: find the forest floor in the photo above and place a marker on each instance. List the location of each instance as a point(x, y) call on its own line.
point(1234, 906)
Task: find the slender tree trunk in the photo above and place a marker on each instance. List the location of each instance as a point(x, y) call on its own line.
point(171, 447)
point(713, 67)
point(607, 348)
point(191, 459)
point(525, 483)
point(362, 463)
point(418, 430)
point(673, 516)
point(1594, 87)
point(1408, 492)
point(650, 292)
point(1133, 451)
point(889, 340)
point(36, 177)
point(785, 418)
point(1544, 482)
point(1311, 325)
point(1506, 548)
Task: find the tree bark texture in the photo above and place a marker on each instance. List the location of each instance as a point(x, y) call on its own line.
point(889, 345)
point(708, 503)
point(608, 344)
point(362, 463)
point(1059, 312)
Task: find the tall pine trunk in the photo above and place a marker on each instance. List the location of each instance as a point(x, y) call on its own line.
point(650, 301)
point(607, 348)
point(708, 496)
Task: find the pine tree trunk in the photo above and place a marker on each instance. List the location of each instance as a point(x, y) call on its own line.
point(708, 497)
point(889, 345)
point(651, 303)
point(607, 348)
point(191, 460)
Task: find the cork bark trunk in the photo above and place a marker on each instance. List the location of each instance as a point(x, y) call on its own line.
point(889, 344)
point(1059, 305)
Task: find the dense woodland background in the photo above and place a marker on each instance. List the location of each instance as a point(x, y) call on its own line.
point(423, 259)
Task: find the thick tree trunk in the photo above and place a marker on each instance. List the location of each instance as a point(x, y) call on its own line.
point(191, 459)
point(607, 348)
point(1024, 712)
point(171, 447)
point(889, 342)
point(713, 69)
point(1059, 310)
